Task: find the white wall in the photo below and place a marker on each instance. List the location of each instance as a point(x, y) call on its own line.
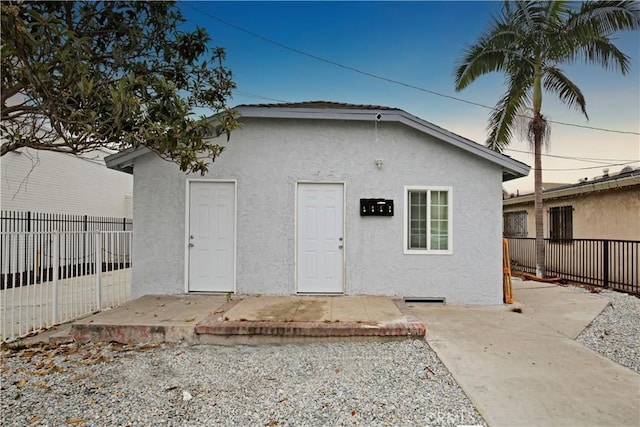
point(267, 158)
point(44, 181)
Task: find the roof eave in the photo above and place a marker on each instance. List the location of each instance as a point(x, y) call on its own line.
point(583, 188)
point(124, 160)
point(511, 169)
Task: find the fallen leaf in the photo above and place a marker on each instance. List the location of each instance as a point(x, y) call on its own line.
point(22, 383)
point(283, 400)
point(189, 319)
point(72, 421)
point(272, 423)
point(160, 304)
point(337, 371)
point(353, 412)
point(35, 419)
point(46, 371)
point(97, 360)
point(216, 312)
point(28, 354)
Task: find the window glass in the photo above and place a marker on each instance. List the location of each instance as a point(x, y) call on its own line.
point(428, 220)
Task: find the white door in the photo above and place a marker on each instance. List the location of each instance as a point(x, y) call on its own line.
point(211, 236)
point(320, 267)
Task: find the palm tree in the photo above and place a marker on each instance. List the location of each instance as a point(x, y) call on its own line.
point(528, 42)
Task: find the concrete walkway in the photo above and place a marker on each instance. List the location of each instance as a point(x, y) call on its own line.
point(526, 369)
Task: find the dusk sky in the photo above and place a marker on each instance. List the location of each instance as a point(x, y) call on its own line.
point(417, 43)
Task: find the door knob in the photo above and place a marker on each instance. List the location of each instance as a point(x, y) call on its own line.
point(340, 247)
point(190, 245)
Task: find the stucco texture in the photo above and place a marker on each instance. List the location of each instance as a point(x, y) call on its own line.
point(268, 156)
point(608, 214)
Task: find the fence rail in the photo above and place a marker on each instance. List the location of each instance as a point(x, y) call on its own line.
point(611, 264)
point(53, 277)
point(14, 221)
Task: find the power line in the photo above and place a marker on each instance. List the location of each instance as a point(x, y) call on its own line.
point(581, 159)
point(253, 95)
point(386, 79)
point(587, 168)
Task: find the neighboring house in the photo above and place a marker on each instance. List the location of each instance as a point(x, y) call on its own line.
point(287, 209)
point(607, 207)
point(46, 181)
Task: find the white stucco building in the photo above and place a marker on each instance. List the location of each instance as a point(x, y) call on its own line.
point(46, 181)
point(286, 209)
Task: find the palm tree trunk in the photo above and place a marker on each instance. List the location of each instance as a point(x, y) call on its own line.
point(538, 129)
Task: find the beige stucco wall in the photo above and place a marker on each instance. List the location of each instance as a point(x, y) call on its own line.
point(609, 214)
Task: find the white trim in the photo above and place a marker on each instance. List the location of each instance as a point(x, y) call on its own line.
point(344, 234)
point(188, 182)
point(405, 215)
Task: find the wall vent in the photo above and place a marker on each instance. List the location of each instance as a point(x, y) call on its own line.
point(425, 300)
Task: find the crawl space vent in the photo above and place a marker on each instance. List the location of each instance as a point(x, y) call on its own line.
point(425, 300)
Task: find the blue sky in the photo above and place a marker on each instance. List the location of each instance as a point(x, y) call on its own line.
point(416, 43)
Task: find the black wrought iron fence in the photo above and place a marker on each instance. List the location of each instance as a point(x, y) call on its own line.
point(611, 264)
point(11, 221)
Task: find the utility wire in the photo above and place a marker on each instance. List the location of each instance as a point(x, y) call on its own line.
point(587, 168)
point(253, 95)
point(386, 79)
point(581, 159)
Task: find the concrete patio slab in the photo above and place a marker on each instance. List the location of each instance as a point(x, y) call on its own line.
point(247, 320)
point(524, 369)
point(262, 308)
point(151, 318)
point(305, 318)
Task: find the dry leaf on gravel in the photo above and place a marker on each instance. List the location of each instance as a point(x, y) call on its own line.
point(96, 361)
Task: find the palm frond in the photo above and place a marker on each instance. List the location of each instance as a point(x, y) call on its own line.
point(606, 17)
point(492, 52)
point(503, 117)
point(601, 51)
point(556, 82)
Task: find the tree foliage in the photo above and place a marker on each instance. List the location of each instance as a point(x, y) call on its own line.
point(528, 43)
point(82, 75)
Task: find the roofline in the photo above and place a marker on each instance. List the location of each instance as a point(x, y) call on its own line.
point(123, 161)
point(511, 168)
point(586, 187)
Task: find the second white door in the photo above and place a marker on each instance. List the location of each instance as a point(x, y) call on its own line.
point(320, 238)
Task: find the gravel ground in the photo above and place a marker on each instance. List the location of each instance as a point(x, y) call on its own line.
point(615, 333)
point(397, 383)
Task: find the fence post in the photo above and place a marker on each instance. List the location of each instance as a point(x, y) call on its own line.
point(605, 261)
point(56, 267)
point(98, 270)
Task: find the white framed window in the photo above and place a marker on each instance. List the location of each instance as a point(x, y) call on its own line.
point(428, 220)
